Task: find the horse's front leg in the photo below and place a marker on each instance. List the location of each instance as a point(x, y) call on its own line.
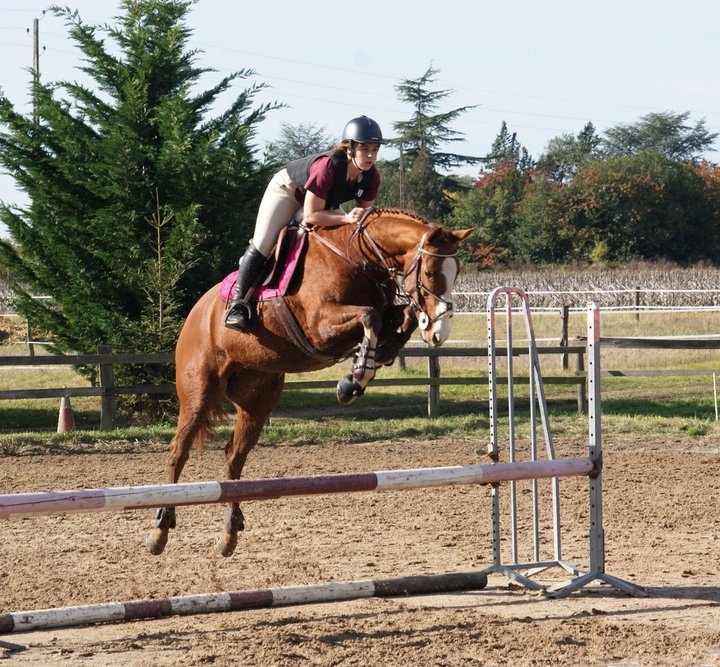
point(399, 324)
point(364, 363)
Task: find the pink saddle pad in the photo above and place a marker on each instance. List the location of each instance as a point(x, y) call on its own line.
point(268, 292)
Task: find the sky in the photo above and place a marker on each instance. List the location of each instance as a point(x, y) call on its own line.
point(545, 68)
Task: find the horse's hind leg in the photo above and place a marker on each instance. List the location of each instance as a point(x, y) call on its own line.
point(255, 395)
point(191, 422)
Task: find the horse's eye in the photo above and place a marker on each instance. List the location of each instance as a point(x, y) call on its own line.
point(428, 274)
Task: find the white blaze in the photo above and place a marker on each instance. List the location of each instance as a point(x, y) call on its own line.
point(439, 332)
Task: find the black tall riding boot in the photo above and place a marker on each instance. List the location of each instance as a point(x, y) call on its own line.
point(249, 268)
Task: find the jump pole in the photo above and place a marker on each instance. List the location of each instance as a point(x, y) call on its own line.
point(265, 598)
point(199, 493)
point(120, 498)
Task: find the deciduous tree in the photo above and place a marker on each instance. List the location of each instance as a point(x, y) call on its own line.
point(297, 141)
point(666, 133)
point(642, 207)
point(565, 154)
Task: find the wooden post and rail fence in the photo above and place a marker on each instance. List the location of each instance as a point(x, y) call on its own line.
point(108, 391)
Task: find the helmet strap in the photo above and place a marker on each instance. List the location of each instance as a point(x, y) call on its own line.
point(351, 155)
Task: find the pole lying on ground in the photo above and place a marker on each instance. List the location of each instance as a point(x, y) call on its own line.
point(207, 603)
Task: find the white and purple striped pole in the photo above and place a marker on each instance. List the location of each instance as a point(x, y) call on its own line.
point(198, 493)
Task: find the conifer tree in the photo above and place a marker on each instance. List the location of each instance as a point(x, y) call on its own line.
point(507, 150)
point(139, 199)
point(421, 139)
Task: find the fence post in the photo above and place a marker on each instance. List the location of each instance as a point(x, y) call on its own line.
point(565, 314)
point(637, 303)
point(433, 386)
point(107, 399)
point(30, 339)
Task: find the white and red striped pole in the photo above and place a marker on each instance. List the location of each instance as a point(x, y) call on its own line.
point(198, 493)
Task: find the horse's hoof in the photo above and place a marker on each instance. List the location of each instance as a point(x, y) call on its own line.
point(225, 544)
point(156, 541)
point(348, 390)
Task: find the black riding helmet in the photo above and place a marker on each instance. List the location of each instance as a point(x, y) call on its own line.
point(363, 130)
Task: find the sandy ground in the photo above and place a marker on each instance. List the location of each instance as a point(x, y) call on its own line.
point(662, 531)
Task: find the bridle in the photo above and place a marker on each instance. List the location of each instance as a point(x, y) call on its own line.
point(418, 290)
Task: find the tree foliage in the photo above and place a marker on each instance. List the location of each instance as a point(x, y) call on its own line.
point(139, 199)
point(389, 195)
point(491, 209)
point(641, 207)
point(297, 141)
point(425, 194)
point(507, 150)
point(565, 154)
point(644, 206)
point(666, 133)
point(426, 132)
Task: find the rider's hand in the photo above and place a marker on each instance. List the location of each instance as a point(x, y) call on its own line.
point(354, 216)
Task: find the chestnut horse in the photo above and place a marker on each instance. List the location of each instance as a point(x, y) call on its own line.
point(361, 291)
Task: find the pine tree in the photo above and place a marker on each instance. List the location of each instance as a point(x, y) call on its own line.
point(507, 150)
point(125, 174)
point(421, 138)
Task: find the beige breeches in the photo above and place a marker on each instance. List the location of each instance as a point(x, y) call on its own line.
point(277, 209)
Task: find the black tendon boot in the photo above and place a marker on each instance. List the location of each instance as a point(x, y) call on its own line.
point(249, 268)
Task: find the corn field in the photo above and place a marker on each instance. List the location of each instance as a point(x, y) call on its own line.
point(641, 285)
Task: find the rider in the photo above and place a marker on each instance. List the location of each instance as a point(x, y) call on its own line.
point(311, 188)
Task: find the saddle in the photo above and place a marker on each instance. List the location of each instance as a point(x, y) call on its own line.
point(279, 269)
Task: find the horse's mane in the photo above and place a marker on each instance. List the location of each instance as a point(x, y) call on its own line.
point(402, 212)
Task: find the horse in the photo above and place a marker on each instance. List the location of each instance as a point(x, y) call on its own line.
point(359, 291)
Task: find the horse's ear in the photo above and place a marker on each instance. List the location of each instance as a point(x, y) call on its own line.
point(462, 234)
point(458, 235)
